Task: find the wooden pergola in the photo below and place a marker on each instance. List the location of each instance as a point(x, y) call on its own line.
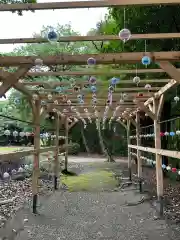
point(138, 98)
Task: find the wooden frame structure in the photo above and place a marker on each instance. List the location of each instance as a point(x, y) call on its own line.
point(150, 102)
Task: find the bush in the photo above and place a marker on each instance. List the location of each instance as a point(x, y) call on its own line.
point(73, 148)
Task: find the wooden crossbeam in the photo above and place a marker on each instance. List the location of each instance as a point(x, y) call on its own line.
point(109, 58)
point(145, 109)
point(12, 79)
point(115, 98)
point(85, 105)
point(91, 38)
point(130, 95)
point(83, 4)
point(97, 72)
point(164, 89)
point(162, 152)
point(118, 90)
point(19, 87)
point(82, 106)
point(170, 70)
point(99, 83)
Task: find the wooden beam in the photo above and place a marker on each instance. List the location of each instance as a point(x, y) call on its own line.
point(86, 105)
point(22, 153)
point(162, 152)
point(145, 109)
point(128, 128)
point(164, 89)
point(138, 144)
point(83, 4)
point(91, 38)
point(56, 155)
point(159, 172)
point(170, 70)
point(160, 107)
point(66, 144)
point(118, 90)
point(99, 83)
point(150, 106)
point(3, 75)
point(35, 175)
point(99, 96)
point(72, 124)
point(19, 87)
point(103, 58)
point(99, 72)
point(121, 122)
point(12, 79)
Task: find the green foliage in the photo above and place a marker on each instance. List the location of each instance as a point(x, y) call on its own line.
point(19, 12)
point(73, 148)
point(16, 1)
point(115, 142)
point(23, 108)
point(153, 19)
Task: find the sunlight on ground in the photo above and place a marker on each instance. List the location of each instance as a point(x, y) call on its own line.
point(91, 181)
point(8, 149)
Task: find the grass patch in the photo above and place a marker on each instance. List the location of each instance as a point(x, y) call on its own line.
point(91, 181)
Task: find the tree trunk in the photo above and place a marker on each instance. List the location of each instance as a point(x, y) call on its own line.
point(85, 141)
point(103, 148)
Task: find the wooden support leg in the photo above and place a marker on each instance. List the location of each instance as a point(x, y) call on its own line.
point(35, 176)
point(138, 151)
point(129, 156)
point(66, 144)
point(56, 155)
point(159, 173)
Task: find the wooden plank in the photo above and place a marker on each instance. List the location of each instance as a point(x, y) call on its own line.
point(145, 109)
point(99, 95)
point(164, 89)
point(36, 170)
point(127, 127)
point(66, 144)
point(21, 88)
point(159, 172)
point(139, 167)
point(162, 152)
point(98, 72)
point(118, 90)
point(18, 154)
point(91, 38)
point(160, 107)
point(11, 79)
point(83, 4)
point(56, 154)
point(170, 70)
point(98, 83)
point(78, 59)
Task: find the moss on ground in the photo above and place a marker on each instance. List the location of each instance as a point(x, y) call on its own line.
point(91, 181)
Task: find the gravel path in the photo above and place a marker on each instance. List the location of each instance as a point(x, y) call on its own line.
point(89, 216)
point(82, 215)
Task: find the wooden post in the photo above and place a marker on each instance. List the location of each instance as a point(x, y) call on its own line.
point(66, 144)
point(129, 142)
point(139, 167)
point(35, 175)
point(56, 155)
point(157, 106)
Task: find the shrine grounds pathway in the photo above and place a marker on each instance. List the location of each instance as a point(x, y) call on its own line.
point(95, 214)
